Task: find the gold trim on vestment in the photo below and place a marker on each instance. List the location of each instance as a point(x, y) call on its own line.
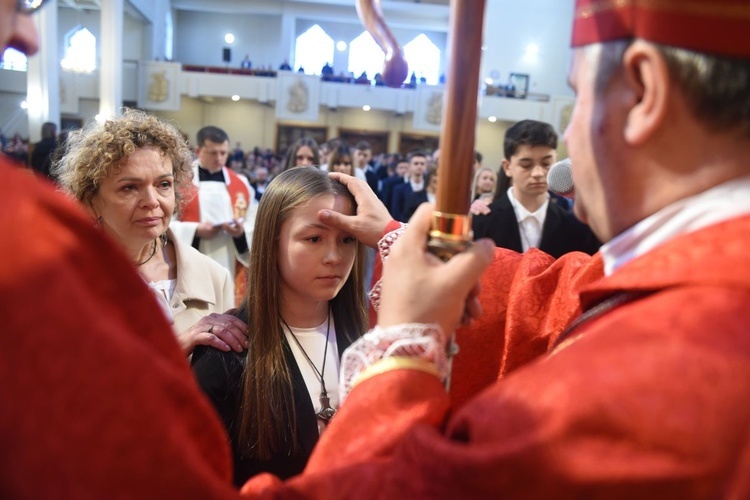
point(396, 363)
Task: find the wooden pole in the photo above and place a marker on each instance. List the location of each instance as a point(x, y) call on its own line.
point(460, 107)
point(451, 224)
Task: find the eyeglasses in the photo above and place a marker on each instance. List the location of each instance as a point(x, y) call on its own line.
point(29, 6)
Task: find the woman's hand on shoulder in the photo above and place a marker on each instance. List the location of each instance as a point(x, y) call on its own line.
point(222, 331)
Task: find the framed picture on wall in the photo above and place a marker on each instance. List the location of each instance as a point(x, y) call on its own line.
point(518, 85)
point(287, 134)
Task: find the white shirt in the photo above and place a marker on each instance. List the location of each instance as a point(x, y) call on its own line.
point(723, 202)
point(417, 186)
point(530, 224)
point(359, 173)
point(163, 290)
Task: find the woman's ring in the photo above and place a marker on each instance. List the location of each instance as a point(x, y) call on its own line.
point(211, 330)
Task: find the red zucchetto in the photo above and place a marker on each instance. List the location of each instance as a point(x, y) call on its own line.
point(720, 27)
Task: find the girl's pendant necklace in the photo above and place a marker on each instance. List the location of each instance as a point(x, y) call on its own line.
point(326, 412)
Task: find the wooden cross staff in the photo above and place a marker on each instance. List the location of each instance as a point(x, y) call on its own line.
point(451, 224)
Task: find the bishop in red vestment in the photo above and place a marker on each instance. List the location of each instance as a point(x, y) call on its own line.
point(643, 395)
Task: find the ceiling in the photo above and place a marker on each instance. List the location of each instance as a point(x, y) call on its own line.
point(399, 13)
point(249, 4)
point(81, 4)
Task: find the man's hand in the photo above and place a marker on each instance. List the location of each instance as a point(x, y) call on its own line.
point(234, 228)
point(206, 230)
point(371, 218)
point(420, 288)
point(481, 206)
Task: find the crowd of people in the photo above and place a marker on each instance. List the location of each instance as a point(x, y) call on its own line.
point(619, 375)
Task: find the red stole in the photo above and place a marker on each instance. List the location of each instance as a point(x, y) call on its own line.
point(240, 199)
point(238, 194)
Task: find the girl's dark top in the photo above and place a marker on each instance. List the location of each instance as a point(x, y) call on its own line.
point(220, 376)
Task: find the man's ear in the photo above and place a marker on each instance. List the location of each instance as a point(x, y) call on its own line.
point(647, 77)
point(505, 165)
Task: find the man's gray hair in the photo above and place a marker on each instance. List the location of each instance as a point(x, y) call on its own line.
point(715, 87)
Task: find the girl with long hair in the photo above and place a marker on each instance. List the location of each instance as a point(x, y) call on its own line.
point(341, 160)
point(303, 307)
point(485, 181)
point(302, 153)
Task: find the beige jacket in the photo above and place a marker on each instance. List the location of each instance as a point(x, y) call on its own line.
point(202, 286)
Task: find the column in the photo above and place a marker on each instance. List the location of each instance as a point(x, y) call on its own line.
point(110, 72)
point(43, 75)
point(288, 37)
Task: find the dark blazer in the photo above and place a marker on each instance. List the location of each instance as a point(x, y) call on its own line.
point(398, 204)
point(562, 232)
point(386, 189)
point(374, 175)
point(413, 202)
point(220, 376)
point(41, 156)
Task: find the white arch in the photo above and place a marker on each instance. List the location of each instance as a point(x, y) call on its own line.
point(313, 50)
point(365, 55)
point(423, 57)
point(14, 60)
point(80, 51)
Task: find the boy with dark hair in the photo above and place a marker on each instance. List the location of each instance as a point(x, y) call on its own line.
point(529, 133)
point(362, 167)
point(522, 217)
point(414, 182)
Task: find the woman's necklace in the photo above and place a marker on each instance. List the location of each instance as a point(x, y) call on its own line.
point(153, 252)
point(326, 412)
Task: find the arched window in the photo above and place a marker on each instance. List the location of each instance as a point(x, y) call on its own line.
point(423, 57)
point(365, 55)
point(80, 51)
point(14, 60)
point(313, 50)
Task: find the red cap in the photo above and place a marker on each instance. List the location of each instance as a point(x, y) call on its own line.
point(720, 27)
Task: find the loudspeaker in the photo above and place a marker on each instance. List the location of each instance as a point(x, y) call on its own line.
point(226, 54)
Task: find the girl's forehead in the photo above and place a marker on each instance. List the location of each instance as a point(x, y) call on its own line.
point(305, 215)
point(337, 202)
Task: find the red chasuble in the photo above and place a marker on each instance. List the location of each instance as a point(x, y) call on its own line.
point(649, 400)
point(97, 399)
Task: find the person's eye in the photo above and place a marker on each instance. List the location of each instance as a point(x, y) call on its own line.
point(313, 239)
point(128, 187)
point(165, 185)
point(349, 240)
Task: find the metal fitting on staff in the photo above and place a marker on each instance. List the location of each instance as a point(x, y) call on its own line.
point(450, 234)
